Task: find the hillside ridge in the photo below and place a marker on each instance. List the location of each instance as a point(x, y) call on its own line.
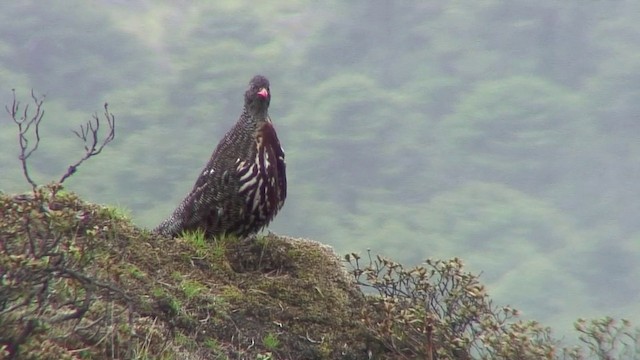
point(84, 282)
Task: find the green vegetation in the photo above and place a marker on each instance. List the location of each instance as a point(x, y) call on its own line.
point(192, 288)
point(270, 341)
point(184, 305)
point(503, 133)
point(128, 294)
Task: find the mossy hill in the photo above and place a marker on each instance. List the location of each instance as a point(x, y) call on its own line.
point(80, 281)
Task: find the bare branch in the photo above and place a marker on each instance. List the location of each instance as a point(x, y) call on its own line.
point(89, 135)
point(25, 122)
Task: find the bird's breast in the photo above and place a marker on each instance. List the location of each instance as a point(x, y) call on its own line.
point(262, 177)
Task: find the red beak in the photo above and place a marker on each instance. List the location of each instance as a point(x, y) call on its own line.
point(263, 93)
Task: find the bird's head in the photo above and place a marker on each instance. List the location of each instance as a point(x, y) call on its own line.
point(258, 96)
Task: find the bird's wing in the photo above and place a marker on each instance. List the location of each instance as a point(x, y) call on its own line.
point(276, 172)
point(203, 204)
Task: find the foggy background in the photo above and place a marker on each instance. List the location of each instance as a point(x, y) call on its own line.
point(504, 133)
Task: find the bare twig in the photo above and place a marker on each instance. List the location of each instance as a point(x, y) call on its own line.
point(25, 122)
point(89, 135)
point(29, 131)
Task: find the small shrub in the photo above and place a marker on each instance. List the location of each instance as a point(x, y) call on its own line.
point(270, 341)
point(438, 311)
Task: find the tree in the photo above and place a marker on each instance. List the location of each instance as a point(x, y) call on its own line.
point(516, 131)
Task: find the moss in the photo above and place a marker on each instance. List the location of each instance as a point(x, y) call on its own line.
point(185, 341)
point(192, 288)
point(135, 272)
point(270, 341)
point(230, 292)
point(130, 294)
point(83, 281)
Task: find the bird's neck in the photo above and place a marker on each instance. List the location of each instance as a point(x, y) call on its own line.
point(256, 115)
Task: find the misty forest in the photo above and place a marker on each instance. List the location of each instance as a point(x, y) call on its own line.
point(504, 133)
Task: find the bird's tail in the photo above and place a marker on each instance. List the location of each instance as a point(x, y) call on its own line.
point(170, 226)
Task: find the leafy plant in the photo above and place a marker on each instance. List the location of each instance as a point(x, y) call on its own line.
point(438, 311)
point(607, 338)
point(270, 341)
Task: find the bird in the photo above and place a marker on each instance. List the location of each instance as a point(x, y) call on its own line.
point(244, 183)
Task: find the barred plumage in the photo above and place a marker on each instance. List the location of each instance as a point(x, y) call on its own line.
point(244, 185)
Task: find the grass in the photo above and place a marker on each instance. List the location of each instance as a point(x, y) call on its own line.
point(270, 341)
point(117, 213)
point(192, 288)
point(129, 293)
